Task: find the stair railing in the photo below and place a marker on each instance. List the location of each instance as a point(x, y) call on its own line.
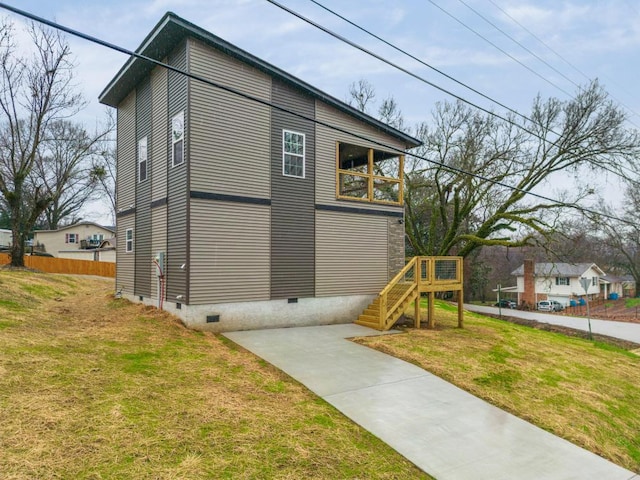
point(409, 274)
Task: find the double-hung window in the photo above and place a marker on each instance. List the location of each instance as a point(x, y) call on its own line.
point(142, 159)
point(292, 154)
point(562, 280)
point(70, 238)
point(129, 240)
point(177, 139)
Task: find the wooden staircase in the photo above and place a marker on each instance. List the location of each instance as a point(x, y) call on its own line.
point(393, 300)
point(420, 275)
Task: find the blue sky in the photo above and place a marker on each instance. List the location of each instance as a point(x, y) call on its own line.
point(599, 38)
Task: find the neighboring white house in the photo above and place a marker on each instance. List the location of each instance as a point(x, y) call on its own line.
point(5, 238)
point(75, 241)
point(561, 281)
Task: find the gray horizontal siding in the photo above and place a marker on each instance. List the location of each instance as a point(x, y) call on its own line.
point(143, 193)
point(158, 240)
point(125, 262)
point(351, 254)
point(126, 163)
point(230, 135)
point(229, 244)
point(292, 201)
point(160, 133)
point(326, 139)
point(177, 188)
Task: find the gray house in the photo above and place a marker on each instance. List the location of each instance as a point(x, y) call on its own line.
point(234, 213)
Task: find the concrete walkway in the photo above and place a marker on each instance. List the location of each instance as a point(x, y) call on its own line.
point(624, 330)
point(445, 431)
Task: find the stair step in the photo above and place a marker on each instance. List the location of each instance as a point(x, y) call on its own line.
point(374, 312)
point(374, 326)
point(369, 319)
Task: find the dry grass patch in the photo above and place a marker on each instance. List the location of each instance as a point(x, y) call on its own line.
point(585, 392)
point(92, 387)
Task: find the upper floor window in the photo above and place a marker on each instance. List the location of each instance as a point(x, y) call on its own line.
point(70, 238)
point(594, 281)
point(142, 159)
point(562, 280)
point(369, 175)
point(128, 240)
point(177, 139)
point(292, 154)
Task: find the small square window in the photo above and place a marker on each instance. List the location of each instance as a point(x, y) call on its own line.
point(293, 163)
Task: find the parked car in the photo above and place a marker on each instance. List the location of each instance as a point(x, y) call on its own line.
point(550, 306)
point(504, 303)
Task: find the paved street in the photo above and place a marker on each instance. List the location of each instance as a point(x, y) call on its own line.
point(623, 330)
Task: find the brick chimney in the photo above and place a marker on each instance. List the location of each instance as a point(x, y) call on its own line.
point(529, 294)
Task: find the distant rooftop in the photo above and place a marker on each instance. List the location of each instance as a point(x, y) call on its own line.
point(558, 269)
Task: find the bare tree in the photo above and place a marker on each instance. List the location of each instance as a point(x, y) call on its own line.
point(389, 112)
point(104, 165)
point(65, 168)
point(361, 94)
point(622, 238)
point(35, 91)
point(474, 190)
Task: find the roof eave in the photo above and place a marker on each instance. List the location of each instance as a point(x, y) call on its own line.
point(135, 69)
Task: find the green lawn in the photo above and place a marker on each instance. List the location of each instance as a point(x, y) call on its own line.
point(586, 392)
point(96, 388)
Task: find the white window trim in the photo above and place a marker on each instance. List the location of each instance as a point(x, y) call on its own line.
point(128, 244)
point(143, 141)
point(174, 141)
point(303, 156)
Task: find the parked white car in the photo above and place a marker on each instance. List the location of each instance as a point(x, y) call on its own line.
point(550, 306)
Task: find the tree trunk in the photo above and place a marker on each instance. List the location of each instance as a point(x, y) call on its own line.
point(17, 246)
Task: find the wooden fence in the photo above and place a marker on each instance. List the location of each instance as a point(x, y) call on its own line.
point(66, 265)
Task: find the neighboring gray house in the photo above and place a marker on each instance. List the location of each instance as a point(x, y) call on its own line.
point(256, 217)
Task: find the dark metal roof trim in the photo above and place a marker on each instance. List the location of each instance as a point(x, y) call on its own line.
point(171, 30)
point(359, 211)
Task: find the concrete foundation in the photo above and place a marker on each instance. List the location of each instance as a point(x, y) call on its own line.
point(228, 317)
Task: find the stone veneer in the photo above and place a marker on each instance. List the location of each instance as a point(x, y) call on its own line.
point(395, 246)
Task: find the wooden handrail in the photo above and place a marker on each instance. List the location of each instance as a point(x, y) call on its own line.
point(384, 310)
point(418, 276)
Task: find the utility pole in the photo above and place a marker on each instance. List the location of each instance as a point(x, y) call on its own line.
point(585, 285)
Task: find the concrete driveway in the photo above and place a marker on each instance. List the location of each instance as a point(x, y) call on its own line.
point(444, 430)
point(623, 330)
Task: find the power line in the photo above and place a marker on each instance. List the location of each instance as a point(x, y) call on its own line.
point(422, 79)
point(499, 49)
point(261, 101)
point(539, 40)
point(556, 53)
point(519, 44)
point(422, 62)
point(402, 69)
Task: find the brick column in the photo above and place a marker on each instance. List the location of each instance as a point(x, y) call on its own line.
point(529, 294)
